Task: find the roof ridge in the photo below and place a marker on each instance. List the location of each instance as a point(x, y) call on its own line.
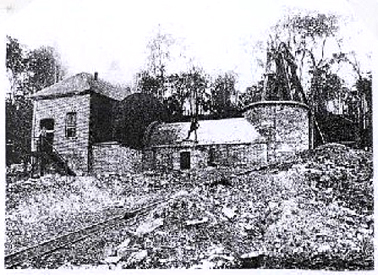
point(81, 82)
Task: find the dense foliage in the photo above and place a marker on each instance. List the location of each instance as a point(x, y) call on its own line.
point(134, 114)
point(315, 47)
point(28, 71)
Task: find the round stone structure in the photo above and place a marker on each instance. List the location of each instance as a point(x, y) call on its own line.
point(284, 124)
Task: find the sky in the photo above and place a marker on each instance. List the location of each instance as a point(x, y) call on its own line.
point(110, 36)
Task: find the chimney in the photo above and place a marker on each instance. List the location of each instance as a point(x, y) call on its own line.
point(95, 75)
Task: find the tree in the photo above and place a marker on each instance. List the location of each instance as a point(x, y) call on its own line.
point(178, 86)
point(15, 56)
point(31, 71)
point(28, 72)
point(306, 37)
point(222, 91)
point(158, 57)
point(44, 69)
point(363, 82)
point(364, 89)
point(365, 110)
point(174, 108)
point(360, 101)
point(134, 115)
point(15, 65)
point(148, 83)
point(196, 84)
point(252, 94)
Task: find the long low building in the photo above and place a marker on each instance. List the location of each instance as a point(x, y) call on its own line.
point(270, 131)
point(218, 142)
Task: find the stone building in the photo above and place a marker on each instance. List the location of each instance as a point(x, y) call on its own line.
point(76, 117)
point(271, 131)
point(285, 125)
point(219, 142)
point(91, 126)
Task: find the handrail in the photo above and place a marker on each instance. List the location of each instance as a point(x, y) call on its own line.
point(50, 145)
point(54, 151)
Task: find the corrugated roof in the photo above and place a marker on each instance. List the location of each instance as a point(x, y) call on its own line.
point(223, 131)
point(80, 83)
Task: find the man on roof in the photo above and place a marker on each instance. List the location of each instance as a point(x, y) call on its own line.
point(194, 125)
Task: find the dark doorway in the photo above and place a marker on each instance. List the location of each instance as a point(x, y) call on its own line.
point(47, 134)
point(185, 160)
point(211, 157)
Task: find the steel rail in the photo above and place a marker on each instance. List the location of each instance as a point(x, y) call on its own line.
point(18, 258)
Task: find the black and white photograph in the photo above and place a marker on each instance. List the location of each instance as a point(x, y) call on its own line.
point(203, 134)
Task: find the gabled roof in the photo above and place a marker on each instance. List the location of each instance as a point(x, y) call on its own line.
point(223, 131)
point(82, 83)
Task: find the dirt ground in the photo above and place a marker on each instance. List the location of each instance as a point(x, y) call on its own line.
point(313, 213)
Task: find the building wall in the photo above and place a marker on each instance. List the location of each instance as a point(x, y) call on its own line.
point(74, 149)
point(284, 125)
point(111, 157)
point(168, 157)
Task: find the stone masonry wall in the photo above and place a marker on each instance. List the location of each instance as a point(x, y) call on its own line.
point(111, 157)
point(73, 149)
point(284, 125)
point(168, 157)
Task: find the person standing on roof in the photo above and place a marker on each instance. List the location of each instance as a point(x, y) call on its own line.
point(194, 125)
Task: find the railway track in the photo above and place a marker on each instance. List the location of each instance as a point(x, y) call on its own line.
point(17, 259)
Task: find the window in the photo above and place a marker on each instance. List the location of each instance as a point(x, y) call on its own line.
point(71, 125)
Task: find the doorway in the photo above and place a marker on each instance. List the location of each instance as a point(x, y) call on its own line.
point(47, 126)
point(184, 160)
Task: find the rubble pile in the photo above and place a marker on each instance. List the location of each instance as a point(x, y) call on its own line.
point(249, 219)
point(186, 232)
point(345, 174)
point(316, 213)
point(17, 191)
point(40, 209)
point(310, 234)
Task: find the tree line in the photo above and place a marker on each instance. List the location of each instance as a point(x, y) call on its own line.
point(28, 71)
point(306, 37)
point(189, 92)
